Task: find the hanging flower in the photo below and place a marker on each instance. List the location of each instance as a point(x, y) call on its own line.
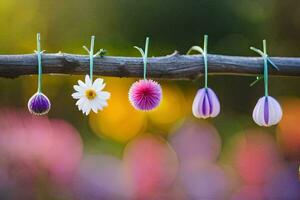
point(206, 104)
point(39, 104)
point(267, 111)
point(90, 95)
point(145, 94)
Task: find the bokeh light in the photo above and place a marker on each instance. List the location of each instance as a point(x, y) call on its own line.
point(171, 108)
point(288, 133)
point(119, 121)
point(257, 158)
point(196, 141)
point(204, 180)
point(152, 164)
point(34, 148)
point(102, 177)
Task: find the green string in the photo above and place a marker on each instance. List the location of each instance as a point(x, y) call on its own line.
point(39, 56)
point(91, 53)
point(204, 54)
point(144, 55)
point(205, 59)
point(267, 61)
point(266, 81)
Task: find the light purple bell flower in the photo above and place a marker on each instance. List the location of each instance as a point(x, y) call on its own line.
point(206, 104)
point(39, 104)
point(267, 111)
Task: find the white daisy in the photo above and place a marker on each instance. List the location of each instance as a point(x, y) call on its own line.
point(90, 95)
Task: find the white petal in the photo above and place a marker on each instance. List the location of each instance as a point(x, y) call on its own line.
point(196, 103)
point(81, 102)
point(101, 87)
point(85, 106)
point(88, 111)
point(88, 81)
point(82, 84)
point(94, 106)
point(76, 88)
point(275, 111)
point(98, 83)
point(77, 95)
point(103, 95)
point(255, 113)
point(215, 104)
point(258, 112)
point(101, 103)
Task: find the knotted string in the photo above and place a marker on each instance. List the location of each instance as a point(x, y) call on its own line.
point(144, 56)
point(204, 54)
point(266, 61)
point(39, 53)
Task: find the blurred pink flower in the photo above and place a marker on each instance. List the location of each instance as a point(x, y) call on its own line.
point(257, 157)
point(37, 146)
point(102, 177)
point(249, 192)
point(152, 165)
point(196, 141)
point(204, 180)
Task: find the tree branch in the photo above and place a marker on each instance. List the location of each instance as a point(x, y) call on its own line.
point(174, 66)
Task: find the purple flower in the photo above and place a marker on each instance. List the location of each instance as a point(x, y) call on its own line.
point(39, 104)
point(267, 111)
point(206, 104)
point(145, 94)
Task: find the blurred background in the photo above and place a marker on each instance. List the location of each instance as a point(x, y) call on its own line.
point(165, 153)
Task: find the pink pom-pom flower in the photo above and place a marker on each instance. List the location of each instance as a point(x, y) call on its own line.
point(206, 104)
point(267, 111)
point(145, 94)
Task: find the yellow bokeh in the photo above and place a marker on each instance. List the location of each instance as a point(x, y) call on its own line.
point(288, 132)
point(171, 109)
point(119, 121)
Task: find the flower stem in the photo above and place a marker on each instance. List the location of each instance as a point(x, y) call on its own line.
point(91, 53)
point(205, 59)
point(145, 57)
point(39, 56)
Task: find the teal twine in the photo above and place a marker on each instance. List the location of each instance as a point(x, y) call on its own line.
point(144, 55)
point(39, 56)
point(204, 54)
point(91, 53)
point(266, 61)
point(266, 81)
point(205, 59)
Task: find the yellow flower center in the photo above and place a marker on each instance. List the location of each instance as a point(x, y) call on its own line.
point(90, 94)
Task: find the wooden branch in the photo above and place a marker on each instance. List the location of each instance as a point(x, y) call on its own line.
point(174, 66)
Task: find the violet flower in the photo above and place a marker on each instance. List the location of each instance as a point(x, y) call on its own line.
point(267, 111)
point(206, 104)
point(39, 104)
